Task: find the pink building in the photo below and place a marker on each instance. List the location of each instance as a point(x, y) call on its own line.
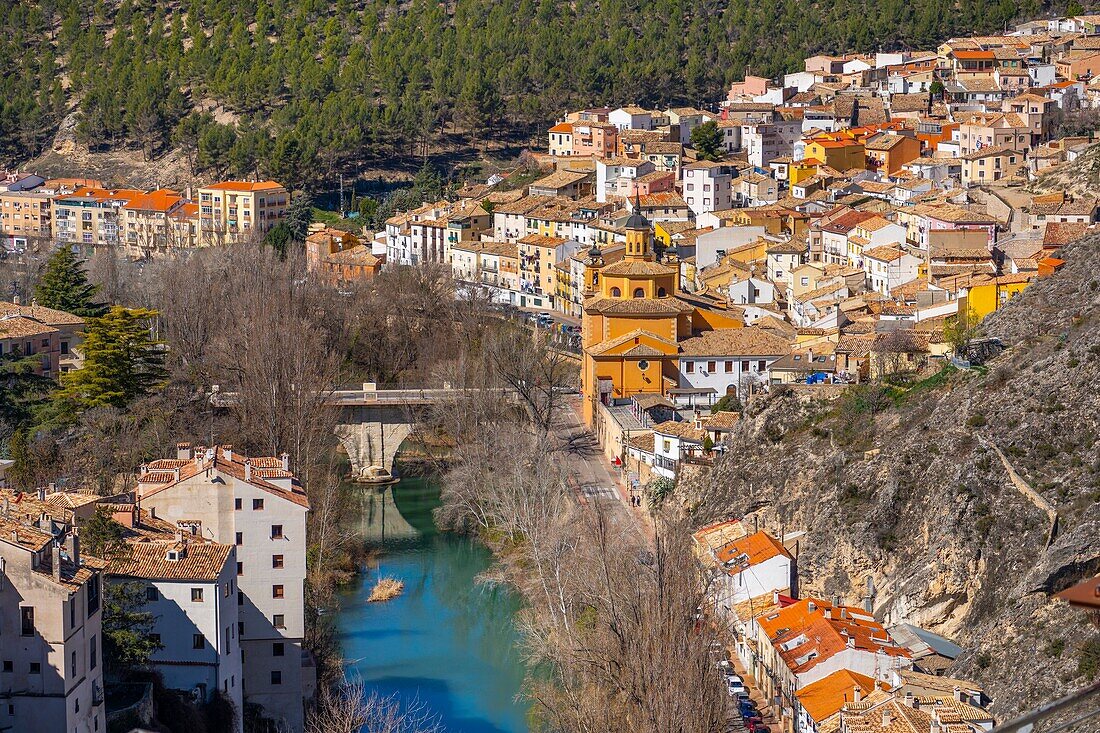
point(752, 86)
point(655, 182)
point(595, 138)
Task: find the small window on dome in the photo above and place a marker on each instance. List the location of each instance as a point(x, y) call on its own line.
point(615, 293)
point(639, 293)
point(661, 292)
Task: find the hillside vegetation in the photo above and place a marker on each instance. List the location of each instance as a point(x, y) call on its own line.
point(301, 89)
point(935, 519)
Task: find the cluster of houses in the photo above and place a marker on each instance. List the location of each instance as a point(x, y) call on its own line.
point(86, 214)
point(215, 542)
point(823, 666)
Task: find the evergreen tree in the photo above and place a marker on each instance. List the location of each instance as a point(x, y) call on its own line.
point(299, 215)
point(64, 286)
point(122, 361)
point(278, 238)
point(128, 641)
point(103, 537)
point(707, 141)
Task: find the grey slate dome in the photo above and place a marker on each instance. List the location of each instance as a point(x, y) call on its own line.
point(636, 221)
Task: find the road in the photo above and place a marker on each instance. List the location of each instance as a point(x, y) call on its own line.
point(595, 479)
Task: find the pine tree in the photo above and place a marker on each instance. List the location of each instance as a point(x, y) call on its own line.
point(122, 361)
point(64, 286)
point(707, 141)
point(299, 215)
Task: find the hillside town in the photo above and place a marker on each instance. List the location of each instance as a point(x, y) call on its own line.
point(851, 222)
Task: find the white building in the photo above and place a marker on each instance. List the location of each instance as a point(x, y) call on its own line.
point(615, 176)
point(191, 591)
point(257, 505)
point(631, 117)
point(51, 642)
point(763, 142)
point(889, 266)
point(708, 186)
point(752, 291)
point(731, 361)
point(752, 566)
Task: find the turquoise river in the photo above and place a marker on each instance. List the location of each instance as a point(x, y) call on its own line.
point(448, 642)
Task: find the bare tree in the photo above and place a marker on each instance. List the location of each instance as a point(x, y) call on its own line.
point(537, 372)
point(349, 708)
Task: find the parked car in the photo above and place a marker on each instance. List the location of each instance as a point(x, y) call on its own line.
point(734, 689)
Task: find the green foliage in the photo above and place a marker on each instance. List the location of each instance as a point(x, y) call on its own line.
point(64, 286)
point(127, 627)
point(278, 238)
point(707, 141)
point(1055, 648)
point(726, 403)
point(976, 420)
point(103, 537)
point(1074, 8)
point(310, 87)
point(299, 215)
point(1088, 658)
point(122, 361)
point(657, 490)
point(708, 443)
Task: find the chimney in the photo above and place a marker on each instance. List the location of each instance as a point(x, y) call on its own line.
point(183, 451)
point(811, 606)
point(179, 535)
point(957, 693)
point(284, 458)
point(227, 451)
point(886, 717)
point(41, 493)
point(934, 726)
point(775, 593)
point(910, 700)
point(74, 548)
point(248, 470)
point(851, 642)
point(15, 300)
point(15, 536)
point(857, 694)
point(843, 612)
point(6, 505)
point(810, 355)
point(56, 562)
point(152, 512)
point(828, 612)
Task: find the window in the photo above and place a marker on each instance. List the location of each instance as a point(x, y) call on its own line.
point(745, 365)
point(661, 292)
point(237, 504)
point(257, 505)
point(276, 561)
point(666, 446)
point(615, 293)
point(276, 531)
point(198, 641)
point(712, 366)
point(240, 598)
point(93, 595)
point(196, 595)
point(276, 677)
point(151, 593)
point(36, 668)
point(228, 644)
point(277, 649)
point(689, 367)
point(240, 628)
point(276, 591)
point(239, 539)
point(26, 621)
point(278, 621)
point(72, 664)
point(64, 347)
point(639, 293)
point(729, 367)
point(761, 365)
point(8, 665)
point(240, 568)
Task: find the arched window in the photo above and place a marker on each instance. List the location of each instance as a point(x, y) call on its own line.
point(661, 292)
point(639, 293)
point(615, 293)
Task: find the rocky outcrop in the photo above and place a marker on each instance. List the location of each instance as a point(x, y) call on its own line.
point(906, 487)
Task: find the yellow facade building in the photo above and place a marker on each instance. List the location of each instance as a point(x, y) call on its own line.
point(633, 321)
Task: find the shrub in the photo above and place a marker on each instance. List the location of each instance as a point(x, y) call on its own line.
point(1088, 658)
point(976, 420)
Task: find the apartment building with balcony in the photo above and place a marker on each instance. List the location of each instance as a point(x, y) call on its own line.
point(150, 222)
point(90, 217)
point(257, 505)
point(51, 664)
point(235, 210)
point(25, 217)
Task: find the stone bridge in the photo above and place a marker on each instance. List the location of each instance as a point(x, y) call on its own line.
point(375, 422)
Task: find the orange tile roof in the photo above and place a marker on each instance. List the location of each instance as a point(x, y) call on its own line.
point(562, 127)
point(805, 637)
point(827, 696)
point(246, 186)
point(758, 547)
point(160, 200)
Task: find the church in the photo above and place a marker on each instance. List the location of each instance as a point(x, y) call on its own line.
point(634, 319)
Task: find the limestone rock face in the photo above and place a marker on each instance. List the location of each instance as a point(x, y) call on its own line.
point(933, 518)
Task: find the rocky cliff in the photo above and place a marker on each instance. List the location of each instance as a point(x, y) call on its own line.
point(943, 491)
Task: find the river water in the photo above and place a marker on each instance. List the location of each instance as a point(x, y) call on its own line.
point(447, 642)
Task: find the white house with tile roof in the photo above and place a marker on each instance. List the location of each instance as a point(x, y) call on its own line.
point(256, 504)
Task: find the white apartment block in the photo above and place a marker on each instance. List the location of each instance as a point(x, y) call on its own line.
point(257, 505)
point(51, 664)
point(763, 142)
point(708, 186)
point(190, 589)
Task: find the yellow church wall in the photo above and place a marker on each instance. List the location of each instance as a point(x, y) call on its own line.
point(702, 320)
